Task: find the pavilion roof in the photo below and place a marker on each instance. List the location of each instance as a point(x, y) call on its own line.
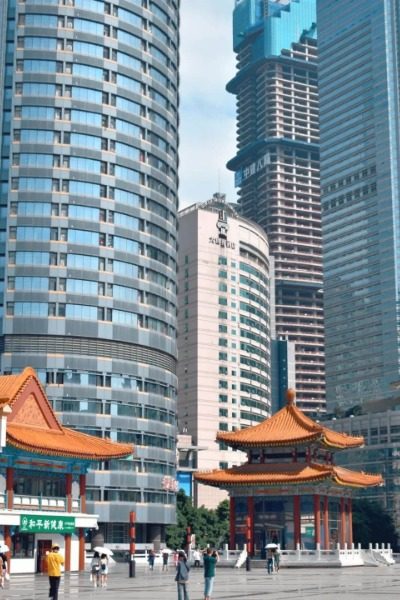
point(33, 426)
point(288, 427)
point(270, 475)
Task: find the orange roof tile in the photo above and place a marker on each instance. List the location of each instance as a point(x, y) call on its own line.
point(66, 442)
point(285, 474)
point(34, 427)
point(288, 427)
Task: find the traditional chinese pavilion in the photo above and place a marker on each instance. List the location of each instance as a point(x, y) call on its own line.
point(43, 469)
point(289, 491)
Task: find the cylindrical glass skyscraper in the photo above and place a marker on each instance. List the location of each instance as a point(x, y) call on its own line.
point(88, 232)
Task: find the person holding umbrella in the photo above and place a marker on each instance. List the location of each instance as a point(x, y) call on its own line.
point(104, 554)
point(271, 549)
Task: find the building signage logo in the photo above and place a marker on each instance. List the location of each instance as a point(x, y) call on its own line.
point(252, 169)
point(46, 524)
point(222, 226)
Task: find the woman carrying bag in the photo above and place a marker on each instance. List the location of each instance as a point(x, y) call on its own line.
point(182, 576)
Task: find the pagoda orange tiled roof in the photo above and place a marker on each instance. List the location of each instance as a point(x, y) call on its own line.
point(66, 442)
point(33, 426)
point(286, 474)
point(288, 427)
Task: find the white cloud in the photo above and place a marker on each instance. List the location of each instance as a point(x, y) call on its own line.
point(207, 112)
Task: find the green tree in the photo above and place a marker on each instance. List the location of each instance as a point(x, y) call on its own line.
point(209, 526)
point(371, 523)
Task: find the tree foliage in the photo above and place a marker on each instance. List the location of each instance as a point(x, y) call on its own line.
point(372, 524)
point(209, 526)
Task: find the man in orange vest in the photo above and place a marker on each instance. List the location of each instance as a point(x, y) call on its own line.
point(54, 562)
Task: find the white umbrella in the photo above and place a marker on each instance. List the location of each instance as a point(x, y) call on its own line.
point(102, 550)
point(166, 551)
point(271, 546)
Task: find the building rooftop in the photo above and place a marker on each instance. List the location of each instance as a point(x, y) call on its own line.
point(286, 474)
point(288, 427)
point(33, 426)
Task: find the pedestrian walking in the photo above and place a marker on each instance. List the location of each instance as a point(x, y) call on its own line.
point(182, 576)
point(210, 560)
point(277, 558)
point(196, 558)
point(95, 570)
point(104, 570)
point(165, 558)
point(54, 562)
point(151, 559)
point(270, 560)
point(4, 575)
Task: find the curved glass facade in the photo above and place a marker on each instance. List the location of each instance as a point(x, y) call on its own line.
point(89, 201)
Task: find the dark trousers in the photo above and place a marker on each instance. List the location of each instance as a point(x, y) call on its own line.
point(54, 585)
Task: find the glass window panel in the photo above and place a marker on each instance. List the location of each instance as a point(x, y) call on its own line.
point(39, 89)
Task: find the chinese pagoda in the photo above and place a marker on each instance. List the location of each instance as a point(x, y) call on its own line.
point(43, 468)
point(289, 492)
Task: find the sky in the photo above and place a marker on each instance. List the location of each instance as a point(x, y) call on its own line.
point(207, 111)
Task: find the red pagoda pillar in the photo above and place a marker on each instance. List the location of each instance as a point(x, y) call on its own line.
point(250, 525)
point(350, 521)
point(67, 536)
point(317, 520)
point(232, 536)
point(342, 537)
point(296, 521)
point(326, 523)
point(10, 487)
point(82, 495)
point(82, 492)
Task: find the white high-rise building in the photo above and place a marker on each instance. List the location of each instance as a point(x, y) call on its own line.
point(224, 367)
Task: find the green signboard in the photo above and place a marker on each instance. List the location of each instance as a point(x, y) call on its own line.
point(46, 524)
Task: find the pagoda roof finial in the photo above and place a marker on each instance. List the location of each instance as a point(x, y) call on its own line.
point(291, 397)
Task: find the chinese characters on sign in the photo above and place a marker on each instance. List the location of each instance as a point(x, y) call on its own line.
point(169, 484)
point(40, 524)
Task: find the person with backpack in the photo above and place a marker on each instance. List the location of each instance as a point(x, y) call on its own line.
point(182, 576)
point(95, 570)
point(104, 570)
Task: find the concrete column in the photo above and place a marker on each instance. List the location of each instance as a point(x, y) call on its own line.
point(296, 521)
point(317, 520)
point(232, 532)
point(326, 522)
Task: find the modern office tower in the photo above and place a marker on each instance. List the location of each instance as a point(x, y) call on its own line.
point(88, 242)
point(224, 331)
point(277, 169)
point(360, 158)
point(381, 453)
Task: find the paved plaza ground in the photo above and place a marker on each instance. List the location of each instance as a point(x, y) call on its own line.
point(369, 583)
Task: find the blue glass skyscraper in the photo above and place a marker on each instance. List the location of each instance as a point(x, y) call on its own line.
point(360, 162)
point(88, 196)
point(277, 169)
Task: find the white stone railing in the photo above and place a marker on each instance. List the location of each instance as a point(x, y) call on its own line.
point(25, 502)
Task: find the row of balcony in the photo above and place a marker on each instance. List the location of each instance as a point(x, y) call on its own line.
point(46, 503)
